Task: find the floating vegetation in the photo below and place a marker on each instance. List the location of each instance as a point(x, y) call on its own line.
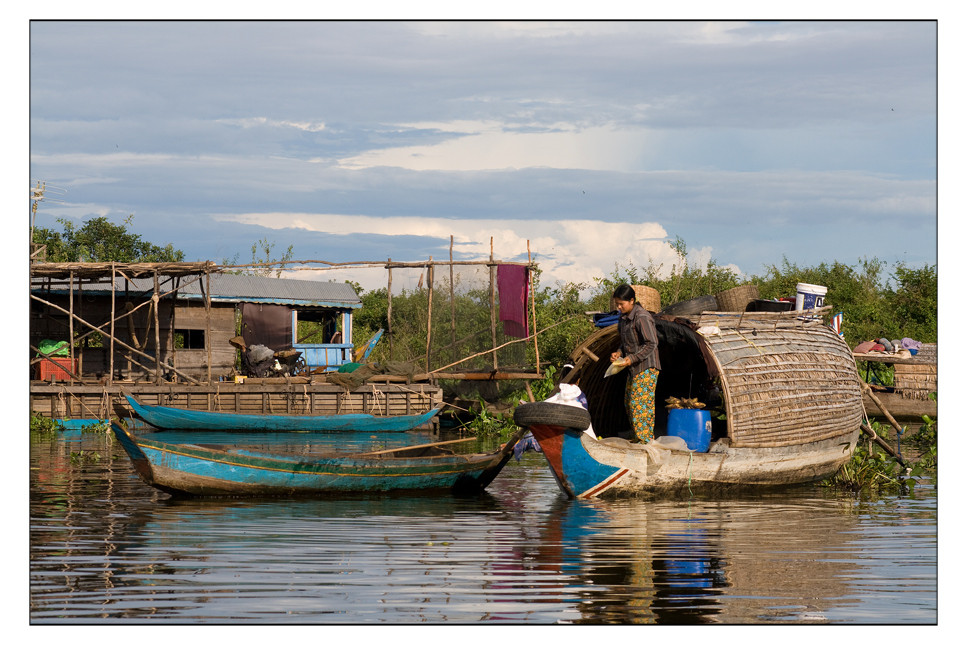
point(872, 470)
point(44, 427)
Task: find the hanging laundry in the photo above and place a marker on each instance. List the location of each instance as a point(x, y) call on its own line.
point(513, 288)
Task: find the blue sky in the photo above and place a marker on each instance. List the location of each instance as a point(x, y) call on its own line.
point(597, 142)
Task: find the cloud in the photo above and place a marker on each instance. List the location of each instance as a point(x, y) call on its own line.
point(569, 251)
point(604, 148)
point(255, 122)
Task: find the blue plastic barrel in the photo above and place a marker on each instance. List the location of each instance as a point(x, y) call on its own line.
point(693, 425)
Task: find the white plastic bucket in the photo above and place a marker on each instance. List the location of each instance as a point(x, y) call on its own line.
point(809, 297)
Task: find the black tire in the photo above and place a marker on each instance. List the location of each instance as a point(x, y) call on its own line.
point(691, 307)
point(551, 413)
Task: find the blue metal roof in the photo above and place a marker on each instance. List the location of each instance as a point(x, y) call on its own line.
point(234, 288)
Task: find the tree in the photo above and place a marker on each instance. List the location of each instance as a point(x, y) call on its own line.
point(98, 240)
point(261, 257)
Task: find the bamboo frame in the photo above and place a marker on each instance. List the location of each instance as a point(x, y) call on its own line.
point(173, 271)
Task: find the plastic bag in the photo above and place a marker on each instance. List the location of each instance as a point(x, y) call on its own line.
point(573, 396)
point(615, 368)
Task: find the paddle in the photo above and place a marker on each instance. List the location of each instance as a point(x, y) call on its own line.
point(401, 449)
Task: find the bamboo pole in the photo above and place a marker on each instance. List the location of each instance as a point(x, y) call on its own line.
point(491, 295)
point(451, 276)
point(111, 335)
point(70, 321)
point(508, 343)
point(427, 348)
point(208, 325)
point(390, 335)
point(158, 343)
point(532, 300)
point(866, 389)
point(120, 343)
point(882, 443)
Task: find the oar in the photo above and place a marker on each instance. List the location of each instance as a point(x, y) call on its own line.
point(401, 449)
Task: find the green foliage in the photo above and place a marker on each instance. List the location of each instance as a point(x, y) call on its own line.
point(43, 426)
point(489, 425)
point(262, 255)
point(866, 471)
point(913, 302)
point(98, 240)
point(871, 470)
point(871, 308)
point(103, 427)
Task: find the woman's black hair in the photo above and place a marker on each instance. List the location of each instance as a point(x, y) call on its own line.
point(624, 293)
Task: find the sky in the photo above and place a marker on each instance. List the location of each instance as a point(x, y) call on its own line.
point(592, 144)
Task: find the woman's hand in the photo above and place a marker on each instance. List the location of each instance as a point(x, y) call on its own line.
point(615, 356)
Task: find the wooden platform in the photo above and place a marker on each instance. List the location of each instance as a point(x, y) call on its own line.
point(902, 408)
point(252, 397)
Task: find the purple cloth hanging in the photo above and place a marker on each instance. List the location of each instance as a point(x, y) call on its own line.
point(513, 287)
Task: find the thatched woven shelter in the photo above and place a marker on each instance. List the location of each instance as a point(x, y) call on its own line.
point(781, 379)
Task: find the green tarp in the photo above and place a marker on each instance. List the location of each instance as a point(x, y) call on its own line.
point(51, 347)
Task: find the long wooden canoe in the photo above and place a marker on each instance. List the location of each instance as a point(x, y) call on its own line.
point(175, 418)
point(225, 470)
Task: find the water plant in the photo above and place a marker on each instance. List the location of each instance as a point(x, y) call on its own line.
point(872, 470)
point(43, 426)
point(487, 425)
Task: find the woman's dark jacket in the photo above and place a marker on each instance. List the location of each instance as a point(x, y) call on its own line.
point(638, 339)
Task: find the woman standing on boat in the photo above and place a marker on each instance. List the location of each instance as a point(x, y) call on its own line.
point(638, 350)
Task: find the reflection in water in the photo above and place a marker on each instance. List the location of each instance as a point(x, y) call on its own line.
point(107, 548)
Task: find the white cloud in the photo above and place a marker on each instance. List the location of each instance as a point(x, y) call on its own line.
point(574, 251)
point(602, 148)
point(253, 122)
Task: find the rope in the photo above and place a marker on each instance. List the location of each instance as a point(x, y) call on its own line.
point(690, 473)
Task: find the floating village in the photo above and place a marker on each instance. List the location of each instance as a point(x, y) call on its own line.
point(194, 346)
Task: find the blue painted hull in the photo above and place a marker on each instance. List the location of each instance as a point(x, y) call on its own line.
point(174, 418)
point(223, 471)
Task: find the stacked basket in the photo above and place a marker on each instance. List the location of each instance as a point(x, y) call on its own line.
point(648, 297)
point(736, 299)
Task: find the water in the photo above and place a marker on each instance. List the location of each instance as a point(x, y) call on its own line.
point(105, 548)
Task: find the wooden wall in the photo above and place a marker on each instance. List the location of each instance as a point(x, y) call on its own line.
point(138, 331)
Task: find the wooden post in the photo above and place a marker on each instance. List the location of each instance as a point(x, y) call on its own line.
point(70, 320)
point(491, 296)
point(451, 277)
point(532, 300)
point(158, 341)
point(390, 335)
point(111, 343)
point(427, 348)
point(208, 325)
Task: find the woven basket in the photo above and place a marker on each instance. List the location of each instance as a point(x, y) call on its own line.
point(648, 297)
point(736, 299)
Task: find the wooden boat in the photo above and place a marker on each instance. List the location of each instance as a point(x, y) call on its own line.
point(786, 383)
point(175, 418)
point(225, 470)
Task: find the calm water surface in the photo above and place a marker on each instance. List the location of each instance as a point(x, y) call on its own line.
point(105, 548)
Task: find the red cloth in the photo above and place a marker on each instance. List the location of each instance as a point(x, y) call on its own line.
point(513, 288)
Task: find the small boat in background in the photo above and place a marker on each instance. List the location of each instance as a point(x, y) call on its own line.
point(175, 418)
point(233, 470)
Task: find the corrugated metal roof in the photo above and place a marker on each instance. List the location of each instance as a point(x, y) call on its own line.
point(239, 287)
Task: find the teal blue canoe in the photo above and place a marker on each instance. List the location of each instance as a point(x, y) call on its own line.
point(175, 418)
point(226, 470)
